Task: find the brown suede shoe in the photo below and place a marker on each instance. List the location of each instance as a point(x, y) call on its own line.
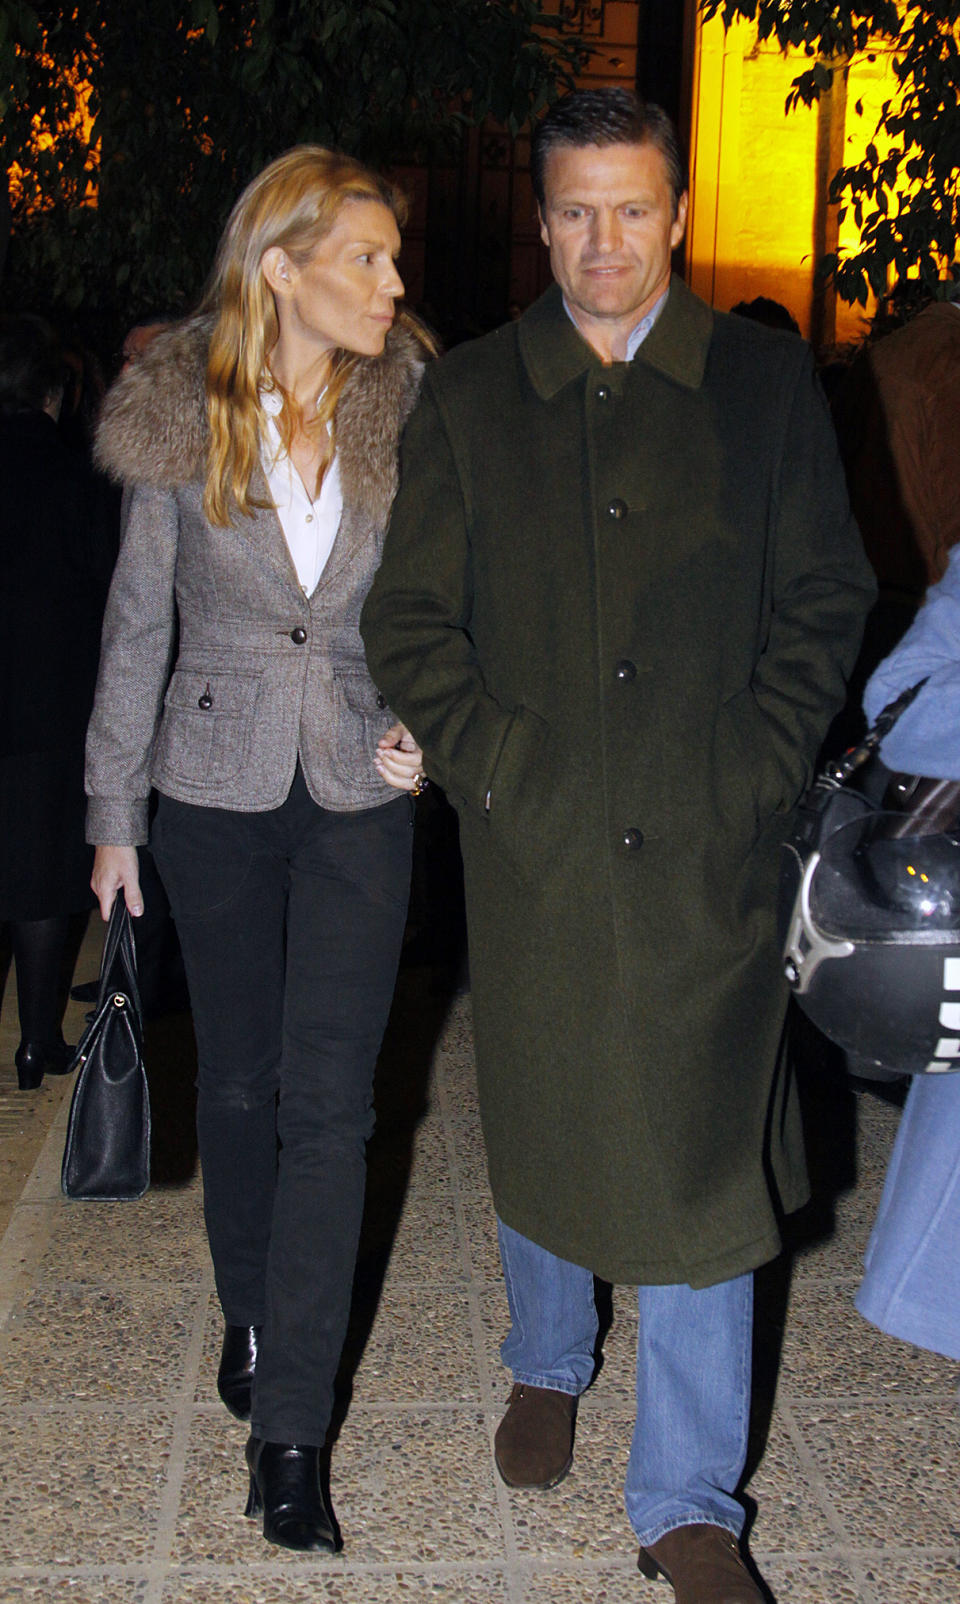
point(703, 1564)
point(533, 1446)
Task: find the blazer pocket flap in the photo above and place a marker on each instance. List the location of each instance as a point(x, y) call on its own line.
point(206, 728)
point(193, 690)
point(359, 692)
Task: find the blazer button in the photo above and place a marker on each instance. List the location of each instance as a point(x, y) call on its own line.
point(381, 700)
point(632, 839)
point(617, 508)
point(603, 392)
point(625, 671)
point(298, 635)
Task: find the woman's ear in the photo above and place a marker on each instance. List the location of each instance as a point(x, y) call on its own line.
point(277, 269)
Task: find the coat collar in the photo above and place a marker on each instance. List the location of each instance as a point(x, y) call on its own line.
point(554, 353)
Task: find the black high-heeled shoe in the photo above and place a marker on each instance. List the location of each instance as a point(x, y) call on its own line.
point(238, 1361)
point(285, 1488)
point(33, 1061)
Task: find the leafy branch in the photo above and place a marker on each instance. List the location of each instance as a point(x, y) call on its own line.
point(903, 194)
point(129, 126)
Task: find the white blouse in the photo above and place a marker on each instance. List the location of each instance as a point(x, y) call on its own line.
point(309, 525)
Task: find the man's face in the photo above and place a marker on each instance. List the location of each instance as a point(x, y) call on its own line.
point(609, 223)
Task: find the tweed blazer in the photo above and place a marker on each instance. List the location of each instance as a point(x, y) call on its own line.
point(216, 672)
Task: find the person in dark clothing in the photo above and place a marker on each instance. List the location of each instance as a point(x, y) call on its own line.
point(771, 313)
point(52, 584)
point(618, 598)
point(897, 419)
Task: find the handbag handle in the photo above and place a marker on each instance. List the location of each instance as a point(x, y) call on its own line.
point(118, 966)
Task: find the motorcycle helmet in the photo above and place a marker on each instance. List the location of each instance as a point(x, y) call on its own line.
point(870, 913)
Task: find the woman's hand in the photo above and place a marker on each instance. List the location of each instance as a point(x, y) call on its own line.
point(115, 868)
point(399, 760)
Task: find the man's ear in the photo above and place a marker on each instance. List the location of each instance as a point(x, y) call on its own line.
point(544, 231)
point(680, 222)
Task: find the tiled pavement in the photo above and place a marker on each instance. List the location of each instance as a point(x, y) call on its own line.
point(121, 1476)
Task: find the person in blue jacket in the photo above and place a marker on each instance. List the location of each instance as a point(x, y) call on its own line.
point(911, 1288)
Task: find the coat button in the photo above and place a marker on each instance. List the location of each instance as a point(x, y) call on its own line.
point(298, 635)
point(205, 702)
point(603, 392)
point(632, 839)
point(381, 700)
point(617, 508)
point(625, 671)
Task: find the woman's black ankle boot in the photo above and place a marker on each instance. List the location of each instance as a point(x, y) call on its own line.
point(33, 1061)
point(238, 1361)
point(285, 1488)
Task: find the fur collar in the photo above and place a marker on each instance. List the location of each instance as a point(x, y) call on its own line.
point(153, 426)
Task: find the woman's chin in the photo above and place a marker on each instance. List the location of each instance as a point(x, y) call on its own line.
point(377, 339)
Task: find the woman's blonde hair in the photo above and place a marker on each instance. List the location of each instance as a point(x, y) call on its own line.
point(293, 203)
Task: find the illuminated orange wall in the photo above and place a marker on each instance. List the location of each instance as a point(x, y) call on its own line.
point(759, 220)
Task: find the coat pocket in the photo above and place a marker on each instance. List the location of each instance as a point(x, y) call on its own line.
point(361, 716)
point(206, 727)
point(532, 795)
point(748, 766)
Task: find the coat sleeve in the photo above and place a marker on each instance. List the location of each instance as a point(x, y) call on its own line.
point(138, 635)
point(926, 737)
point(821, 587)
point(416, 626)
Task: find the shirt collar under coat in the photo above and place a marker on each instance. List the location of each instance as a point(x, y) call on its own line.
point(554, 353)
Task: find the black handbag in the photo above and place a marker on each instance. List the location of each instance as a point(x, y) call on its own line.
point(107, 1154)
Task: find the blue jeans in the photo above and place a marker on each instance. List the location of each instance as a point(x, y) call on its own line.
point(693, 1380)
point(911, 1288)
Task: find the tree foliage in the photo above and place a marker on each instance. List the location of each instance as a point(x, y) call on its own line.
point(189, 98)
point(903, 196)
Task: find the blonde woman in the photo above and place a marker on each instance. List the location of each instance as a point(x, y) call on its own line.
point(257, 443)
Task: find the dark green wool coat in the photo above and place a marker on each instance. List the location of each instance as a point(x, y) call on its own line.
point(616, 607)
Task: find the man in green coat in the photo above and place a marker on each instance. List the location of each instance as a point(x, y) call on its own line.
point(619, 595)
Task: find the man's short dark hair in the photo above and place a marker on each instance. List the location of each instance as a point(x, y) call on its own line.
point(607, 117)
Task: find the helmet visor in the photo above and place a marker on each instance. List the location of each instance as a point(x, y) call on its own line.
point(877, 882)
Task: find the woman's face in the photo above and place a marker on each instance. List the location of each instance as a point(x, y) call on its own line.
point(344, 295)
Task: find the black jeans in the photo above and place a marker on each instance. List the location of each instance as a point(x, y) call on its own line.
point(291, 923)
